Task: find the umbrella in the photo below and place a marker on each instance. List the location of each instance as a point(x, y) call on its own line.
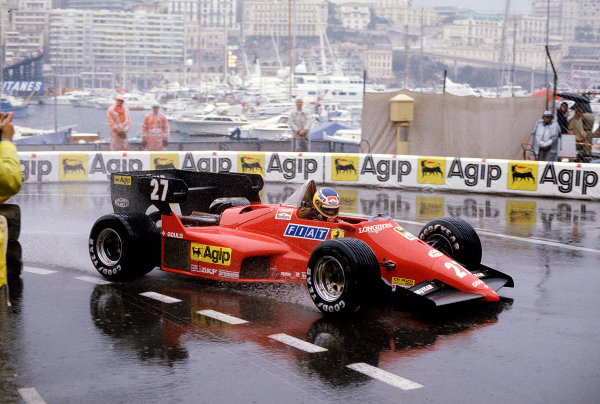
point(581, 101)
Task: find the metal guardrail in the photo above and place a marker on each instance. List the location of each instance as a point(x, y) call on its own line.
point(320, 146)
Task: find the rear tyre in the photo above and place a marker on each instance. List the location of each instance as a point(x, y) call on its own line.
point(124, 246)
point(341, 275)
point(454, 237)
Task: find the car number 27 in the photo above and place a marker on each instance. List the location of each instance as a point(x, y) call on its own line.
point(156, 186)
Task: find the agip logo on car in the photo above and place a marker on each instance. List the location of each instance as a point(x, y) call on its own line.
point(344, 167)
point(73, 167)
point(431, 171)
point(210, 254)
point(522, 176)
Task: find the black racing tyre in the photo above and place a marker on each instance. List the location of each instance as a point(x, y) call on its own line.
point(124, 246)
point(341, 275)
point(12, 213)
point(454, 237)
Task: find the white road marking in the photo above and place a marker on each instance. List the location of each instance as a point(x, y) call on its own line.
point(91, 279)
point(39, 271)
point(384, 376)
point(31, 396)
point(160, 298)
point(222, 317)
point(297, 343)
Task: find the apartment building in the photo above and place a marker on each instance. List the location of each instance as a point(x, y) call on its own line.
point(377, 63)
point(401, 15)
point(271, 17)
point(109, 48)
point(24, 29)
point(355, 15)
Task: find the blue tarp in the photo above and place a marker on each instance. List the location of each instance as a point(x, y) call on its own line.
point(60, 137)
point(330, 128)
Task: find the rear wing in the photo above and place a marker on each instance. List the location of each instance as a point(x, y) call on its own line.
point(136, 191)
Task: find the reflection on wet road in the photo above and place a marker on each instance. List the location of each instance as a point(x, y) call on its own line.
point(73, 337)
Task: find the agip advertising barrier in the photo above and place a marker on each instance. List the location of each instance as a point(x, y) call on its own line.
point(532, 178)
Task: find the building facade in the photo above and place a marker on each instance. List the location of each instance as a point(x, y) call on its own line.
point(271, 17)
point(109, 49)
point(378, 63)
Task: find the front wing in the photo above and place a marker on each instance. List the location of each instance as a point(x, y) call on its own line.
point(435, 293)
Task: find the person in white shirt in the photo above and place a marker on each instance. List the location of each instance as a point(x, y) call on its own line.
point(300, 122)
point(545, 138)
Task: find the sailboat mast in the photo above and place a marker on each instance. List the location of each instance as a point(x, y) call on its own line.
point(290, 45)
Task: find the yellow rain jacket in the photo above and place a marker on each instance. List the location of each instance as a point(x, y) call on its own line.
point(10, 183)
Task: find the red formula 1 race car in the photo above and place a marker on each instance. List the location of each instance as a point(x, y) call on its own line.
point(214, 226)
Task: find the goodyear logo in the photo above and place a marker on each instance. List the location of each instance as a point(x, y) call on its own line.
point(164, 161)
point(210, 254)
point(405, 282)
point(405, 233)
point(308, 232)
point(74, 167)
point(122, 180)
point(431, 171)
point(337, 233)
point(252, 163)
point(344, 167)
point(522, 176)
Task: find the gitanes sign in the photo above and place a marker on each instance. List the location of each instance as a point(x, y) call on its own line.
point(22, 86)
point(570, 180)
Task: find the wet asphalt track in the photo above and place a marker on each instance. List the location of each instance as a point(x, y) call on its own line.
point(70, 337)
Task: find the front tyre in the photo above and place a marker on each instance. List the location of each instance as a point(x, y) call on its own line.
point(340, 275)
point(124, 246)
point(454, 237)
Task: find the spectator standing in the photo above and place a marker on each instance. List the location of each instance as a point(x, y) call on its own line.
point(119, 122)
point(300, 122)
point(545, 138)
point(155, 130)
point(576, 127)
point(11, 179)
point(562, 116)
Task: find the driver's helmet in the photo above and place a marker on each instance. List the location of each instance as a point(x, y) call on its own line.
point(326, 203)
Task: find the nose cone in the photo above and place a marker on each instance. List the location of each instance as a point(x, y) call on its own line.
point(455, 275)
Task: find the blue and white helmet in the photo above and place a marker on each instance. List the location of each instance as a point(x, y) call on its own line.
point(327, 203)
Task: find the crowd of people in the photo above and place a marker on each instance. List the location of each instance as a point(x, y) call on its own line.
point(547, 132)
point(155, 128)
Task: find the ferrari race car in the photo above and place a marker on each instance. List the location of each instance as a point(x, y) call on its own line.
point(214, 226)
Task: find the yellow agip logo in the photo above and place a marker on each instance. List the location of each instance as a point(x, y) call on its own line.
point(431, 171)
point(73, 167)
point(122, 180)
point(210, 254)
point(164, 161)
point(251, 163)
point(344, 167)
point(522, 176)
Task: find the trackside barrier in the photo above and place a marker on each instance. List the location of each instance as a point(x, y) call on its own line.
point(531, 178)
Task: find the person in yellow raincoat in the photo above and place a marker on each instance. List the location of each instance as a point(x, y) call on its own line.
point(11, 179)
point(119, 122)
point(155, 130)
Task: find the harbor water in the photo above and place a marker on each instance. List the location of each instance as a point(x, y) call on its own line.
point(87, 120)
